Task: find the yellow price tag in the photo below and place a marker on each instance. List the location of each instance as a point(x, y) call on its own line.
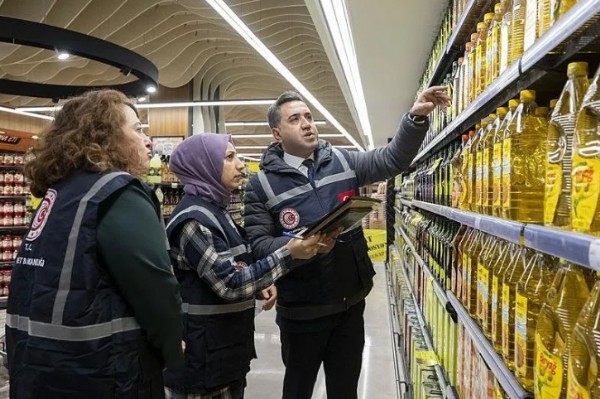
point(35, 201)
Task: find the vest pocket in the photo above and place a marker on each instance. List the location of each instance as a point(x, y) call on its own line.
point(229, 347)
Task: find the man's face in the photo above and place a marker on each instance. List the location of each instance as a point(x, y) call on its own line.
point(296, 132)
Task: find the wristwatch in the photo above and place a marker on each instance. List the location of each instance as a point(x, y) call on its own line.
point(420, 119)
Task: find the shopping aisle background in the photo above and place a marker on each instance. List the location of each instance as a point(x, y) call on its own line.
point(377, 378)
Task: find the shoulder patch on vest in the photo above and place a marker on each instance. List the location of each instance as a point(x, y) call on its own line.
point(41, 216)
point(289, 218)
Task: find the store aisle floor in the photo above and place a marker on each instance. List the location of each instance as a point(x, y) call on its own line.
point(377, 378)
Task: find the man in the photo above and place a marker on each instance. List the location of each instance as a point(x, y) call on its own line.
point(320, 306)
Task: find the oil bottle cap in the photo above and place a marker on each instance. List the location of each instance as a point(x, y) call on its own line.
point(468, 47)
point(465, 138)
point(484, 122)
point(471, 133)
point(480, 27)
point(553, 102)
point(513, 103)
point(501, 111)
point(527, 95)
point(488, 17)
point(474, 37)
point(461, 60)
point(498, 8)
point(577, 69)
point(541, 111)
point(492, 117)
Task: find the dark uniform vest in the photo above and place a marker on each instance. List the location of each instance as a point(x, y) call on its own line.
point(69, 333)
point(219, 334)
point(330, 283)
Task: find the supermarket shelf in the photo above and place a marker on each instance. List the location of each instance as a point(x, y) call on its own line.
point(13, 228)
point(11, 167)
point(406, 202)
point(445, 387)
point(578, 248)
point(497, 366)
point(440, 293)
point(169, 185)
point(400, 363)
point(3, 302)
point(575, 30)
point(506, 229)
point(6, 263)
point(13, 198)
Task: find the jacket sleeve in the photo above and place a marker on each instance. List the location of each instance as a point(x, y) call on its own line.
point(259, 224)
point(385, 162)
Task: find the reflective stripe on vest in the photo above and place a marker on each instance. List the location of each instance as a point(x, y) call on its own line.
point(202, 210)
point(205, 310)
point(233, 252)
point(68, 333)
point(64, 283)
point(274, 200)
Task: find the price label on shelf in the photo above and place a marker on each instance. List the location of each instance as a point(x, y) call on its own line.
point(594, 254)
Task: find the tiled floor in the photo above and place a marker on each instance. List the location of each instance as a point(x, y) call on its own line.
point(265, 380)
point(377, 378)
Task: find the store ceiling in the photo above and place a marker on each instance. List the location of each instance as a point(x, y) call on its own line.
point(188, 39)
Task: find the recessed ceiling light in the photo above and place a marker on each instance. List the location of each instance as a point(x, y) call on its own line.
point(63, 55)
point(142, 99)
point(151, 89)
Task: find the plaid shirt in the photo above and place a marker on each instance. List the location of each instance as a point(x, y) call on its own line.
point(232, 281)
point(235, 391)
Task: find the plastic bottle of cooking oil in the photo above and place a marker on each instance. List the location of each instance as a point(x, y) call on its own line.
point(480, 53)
point(484, 166)
point(479, 162)
point(457, 170)
point(531, 293)
point(585, 177)
point(560, 8)
point(557, 200)
point(523, 166)
point(510, 279)
point(544, 18)
point(464, 98)
point(476, 266)
point(492, 48)
point(498, 270)
point(543, 112)
point(584, 351)
point(497, 160)
point(552, 105)
point(473, 167)
point(564, 301)
point(470, 270)
point(467, 173)
point(463, 256)
point(487, 177)
point(485, 282)
point(531, 24)
point(505, 35)
point(517, 35)
point(470, 94)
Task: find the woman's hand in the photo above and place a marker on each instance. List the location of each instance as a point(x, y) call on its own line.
point(305, 249)
point(269, 294)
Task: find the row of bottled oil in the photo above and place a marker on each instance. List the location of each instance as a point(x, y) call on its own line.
point(522, 165)
point(541, 314)
point(506, 31)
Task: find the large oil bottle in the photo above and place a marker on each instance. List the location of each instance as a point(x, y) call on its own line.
point(480, 53)
point(484, 278)
point(584, 353)
point(478, 273)
point(486, 126)
point(585, 178)
point(497, 160)
point(457, 170)
point(517, 34)
point(492, 48)
point(565, 299)
point(506, 35)
point(467, 173)
point(531, 293)
point(499, 269)
point(470, 79)
point(557, 200)
point(473, 167)
point(470, 271)
point(544, 18)
point(487, 177)
point(523, 166)
point(456, 88)
point(510, 279)
point(463, 259)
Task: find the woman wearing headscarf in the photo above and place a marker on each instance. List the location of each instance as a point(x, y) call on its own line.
point(94, 309)
point(219, 277)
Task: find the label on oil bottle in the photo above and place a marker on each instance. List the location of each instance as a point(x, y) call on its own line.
point(506, 151)
point(494, 299)
point(521, 335)
point(548, 372)
point(497, 176)
point(478, 175)
point(585, 191)
point(484, 294)
point(505, 320)
point(485, 178)
point(471, 180)
point(464, 178)
point(467, 286)
point(553, 188)
point(574, 388)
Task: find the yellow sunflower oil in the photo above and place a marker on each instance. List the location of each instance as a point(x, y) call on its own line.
point(492, 48)
point(497, 160)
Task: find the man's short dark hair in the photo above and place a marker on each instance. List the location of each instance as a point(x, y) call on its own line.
point(274, 111)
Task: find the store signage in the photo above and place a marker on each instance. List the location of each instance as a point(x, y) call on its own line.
point(9, 139)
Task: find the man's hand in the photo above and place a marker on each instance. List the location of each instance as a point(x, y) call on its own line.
point(429, 99)
point(328, 241)
point(269, 294)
